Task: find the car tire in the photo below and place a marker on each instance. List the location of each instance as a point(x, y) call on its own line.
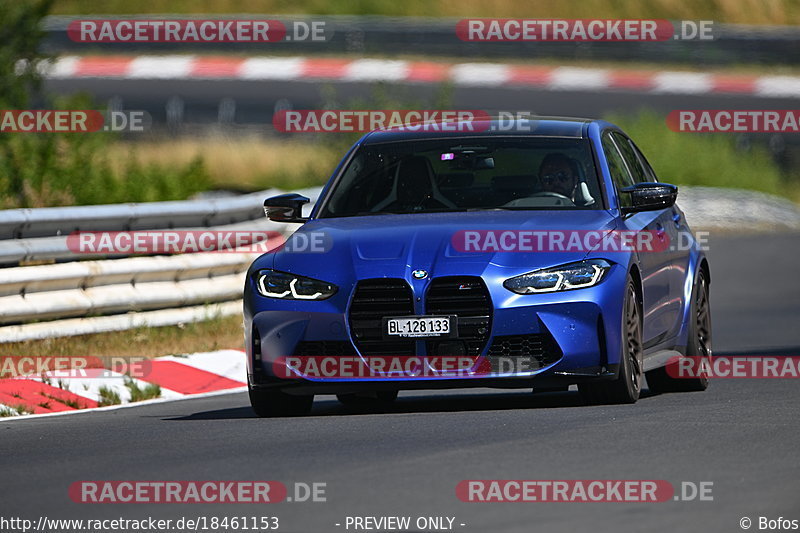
point(373, 400)
point(698, 345)
point(268, 403)
point(628, 383)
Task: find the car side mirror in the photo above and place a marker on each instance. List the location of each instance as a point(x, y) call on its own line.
point(649, 197)
point(286, 208)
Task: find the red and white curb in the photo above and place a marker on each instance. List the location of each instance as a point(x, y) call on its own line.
point(174, 67)
point(190, 376)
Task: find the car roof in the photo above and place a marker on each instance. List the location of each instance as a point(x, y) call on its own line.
point(535, 126)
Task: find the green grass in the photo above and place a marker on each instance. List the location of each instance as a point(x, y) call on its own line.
point(148, 392)
point(108, 397)
point(69, 402)
point(45, 170)
point(14, 410)
point(75, 404)
point(712, 160)
point(244, 163)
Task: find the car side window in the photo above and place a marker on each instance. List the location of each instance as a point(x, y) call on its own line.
point(629, 156)
point(648, 170)
point(619, 173)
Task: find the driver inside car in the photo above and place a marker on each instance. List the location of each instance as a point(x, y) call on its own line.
point(558, 174)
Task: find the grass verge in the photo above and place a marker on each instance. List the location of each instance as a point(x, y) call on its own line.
point(238, 163)
point(215, 334)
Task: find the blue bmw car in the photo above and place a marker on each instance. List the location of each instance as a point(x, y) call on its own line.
point(484, 244)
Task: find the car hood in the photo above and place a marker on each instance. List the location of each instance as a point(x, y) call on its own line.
point(396, 245)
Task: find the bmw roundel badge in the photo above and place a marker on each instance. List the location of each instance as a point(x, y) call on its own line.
point(420, 274)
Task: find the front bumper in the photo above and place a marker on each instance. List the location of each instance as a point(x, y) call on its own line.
point(579, 332)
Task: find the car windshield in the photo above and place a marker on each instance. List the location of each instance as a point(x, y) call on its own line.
point(464, 174)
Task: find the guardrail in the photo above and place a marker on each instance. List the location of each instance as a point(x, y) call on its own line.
point(80, 297)
point(14, 251)
point(49, 221)
point(158, 290)
point(113, 286)
point(732, 43)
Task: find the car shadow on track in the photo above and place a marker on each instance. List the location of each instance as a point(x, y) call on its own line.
point(449, 403)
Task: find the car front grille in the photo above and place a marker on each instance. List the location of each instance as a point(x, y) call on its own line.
point(374, 299)
point(468, 299)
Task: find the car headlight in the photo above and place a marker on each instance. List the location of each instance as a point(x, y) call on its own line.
point(561, 278)
point(274, 284)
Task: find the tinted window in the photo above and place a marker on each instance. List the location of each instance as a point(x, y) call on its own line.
point(630, 158)
point(648, 170)
point(619, 172)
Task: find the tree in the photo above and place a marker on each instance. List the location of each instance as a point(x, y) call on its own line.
point(20, 55)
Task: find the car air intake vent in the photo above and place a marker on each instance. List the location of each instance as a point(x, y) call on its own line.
point(373, 300)
point(468, 299)
point(539, 348)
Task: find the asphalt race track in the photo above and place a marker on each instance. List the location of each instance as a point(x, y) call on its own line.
point(742, 435)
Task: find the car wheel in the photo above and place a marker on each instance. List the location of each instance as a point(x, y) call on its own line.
point(274, 403)
point(628, 384)
point(699, 345)
point(375, 400)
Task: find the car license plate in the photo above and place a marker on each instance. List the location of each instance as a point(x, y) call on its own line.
point(420, 326)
